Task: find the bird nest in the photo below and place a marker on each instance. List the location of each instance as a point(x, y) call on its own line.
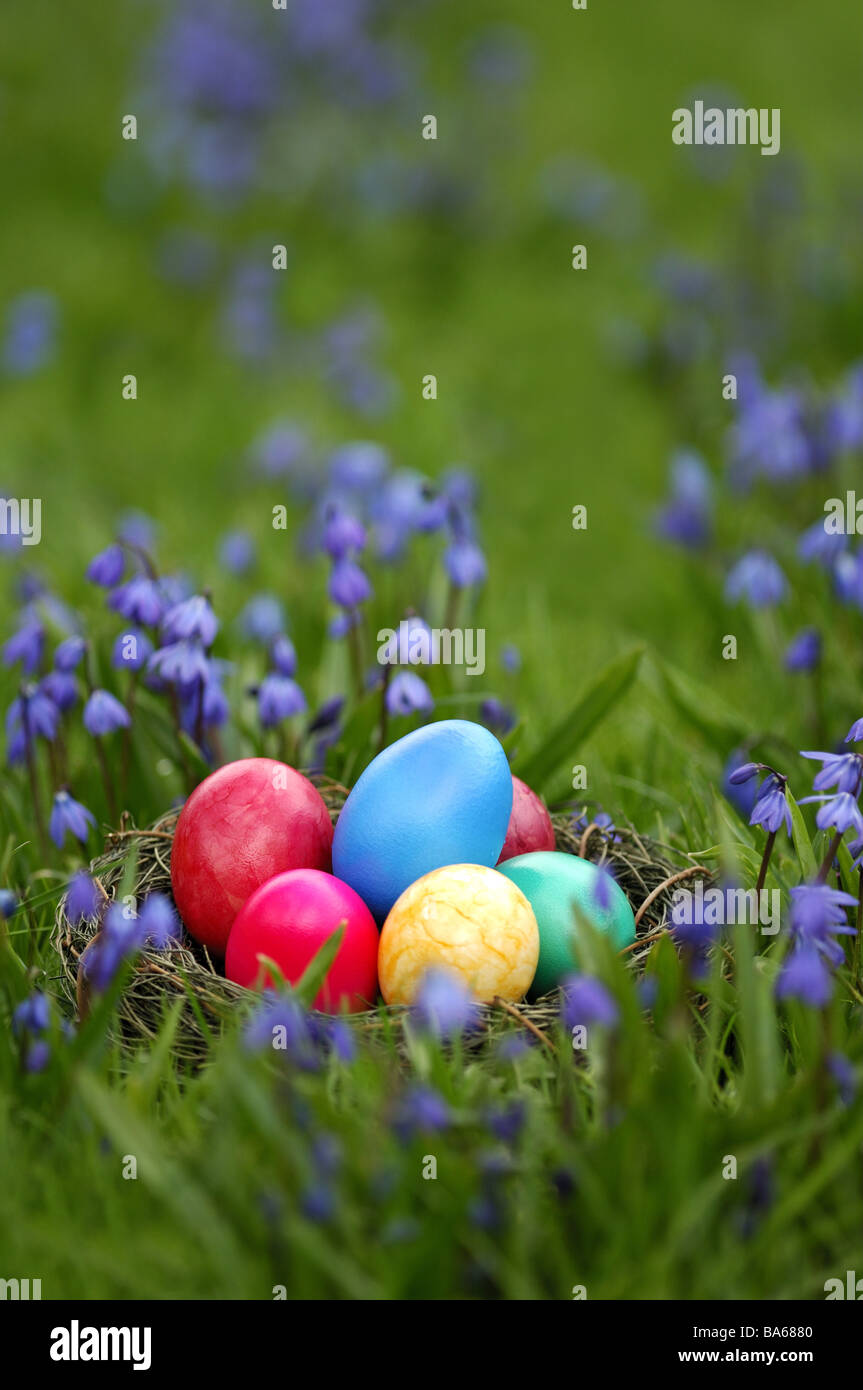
point(646, 871)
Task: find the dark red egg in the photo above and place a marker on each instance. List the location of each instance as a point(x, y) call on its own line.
point(530, 826)
point(248, 821)
point(288, 920)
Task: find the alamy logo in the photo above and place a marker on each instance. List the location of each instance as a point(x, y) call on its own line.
point(417, 645)
point(844, 515)
point(720, 907)
point(22, 517)
point(733, 126)
point(76, 1343)
point(852, 1287)
point(20, 1289)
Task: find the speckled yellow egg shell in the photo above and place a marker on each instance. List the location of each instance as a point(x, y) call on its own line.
point(464, 918)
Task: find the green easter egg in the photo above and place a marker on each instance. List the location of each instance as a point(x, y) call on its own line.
point(560, 888)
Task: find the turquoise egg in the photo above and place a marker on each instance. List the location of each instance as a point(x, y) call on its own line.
point(440, 795)
point(561, 888)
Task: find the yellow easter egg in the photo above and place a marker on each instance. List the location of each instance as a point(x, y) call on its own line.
point(464, 918)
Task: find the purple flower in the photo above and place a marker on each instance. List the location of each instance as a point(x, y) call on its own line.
point(327, 715)
point(757, 578)
point(279, 698)
point(237, 553)
point(855, 733)
point(82, 898)
point(839, 812)
point(770, 438)
point(342, 534)
point(844, 1075)
point(318, 1202)
point(738, 785)
point(31, 332)
point(118, 941)
point(818, 914)
point(280, 451)
point(137, 529)
point(69, 654)
point(844, 771)
point(283, 656)
point(349, 585)
point(34, 713)
point(408, 694)
point(69, 817)
point(192, 618)
point(585, 1001)
point(360, 467)
point(103, 714)
point(279, 1022)
point(497, 716)
point(421, 1110)
point(132, 650)
point(139, 601)
point(263, 618)
point(158, 923)
point(33, 1015)
point(506, 1122)
point(510, 658)
point(108, 567)
point(183, 664)
point(444, 1005)
point(771, 810)
point(845, 416)
point(805, 976)
point(687, 518)
point(816, 543)
point(465, 564)
point(804, 652)
point(26, 646)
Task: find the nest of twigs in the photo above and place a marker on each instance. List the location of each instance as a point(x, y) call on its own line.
point(647, 872)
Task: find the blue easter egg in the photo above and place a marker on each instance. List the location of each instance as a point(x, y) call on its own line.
point(440, 795)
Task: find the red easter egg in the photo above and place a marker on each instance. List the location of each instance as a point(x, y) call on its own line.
point(289, 919)
point(248, 821)
point(530, 826)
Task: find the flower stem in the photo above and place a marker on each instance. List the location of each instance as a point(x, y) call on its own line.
point(832, 849)
point(765, 860)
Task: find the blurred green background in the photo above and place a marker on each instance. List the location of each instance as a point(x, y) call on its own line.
point(530, 395)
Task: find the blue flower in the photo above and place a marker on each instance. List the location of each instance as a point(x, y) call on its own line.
point(103, 714)
point(132, 650)
point(585, 1001)
point(349, 585)
point(738, 785)
point(8, 903)
point(757, 578)
point(318, 1202)
point(69, 817)
point(816, 543)
point(82, 898)
point(465, 564)
point(687, 517)
point(841, 770)
point(839, 812)
point(33, 1015)
point(408, 694)
point(61, 689)
point(69, 654)
point(34, 714)
point(497, 715)
point(140, 600)
point(31, 332)
point(421, 1110)
point(279, 698)
point(844, 1075)
point(342, 534)
point(818, 914)
point(283, 656)
point(510, 658)
point(192, 618)
point(158, 923)
point(183, 664)
point(108, 567)
point(137, 529)
point(360, 467)
point(118, 941)
point(237, 553)
point(263, 618)
point(855, 733)
point(506, 1122)
point(771, 810)
point(805, 976)
point(26, 646)
point(804, 652)
point(444, 1005)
